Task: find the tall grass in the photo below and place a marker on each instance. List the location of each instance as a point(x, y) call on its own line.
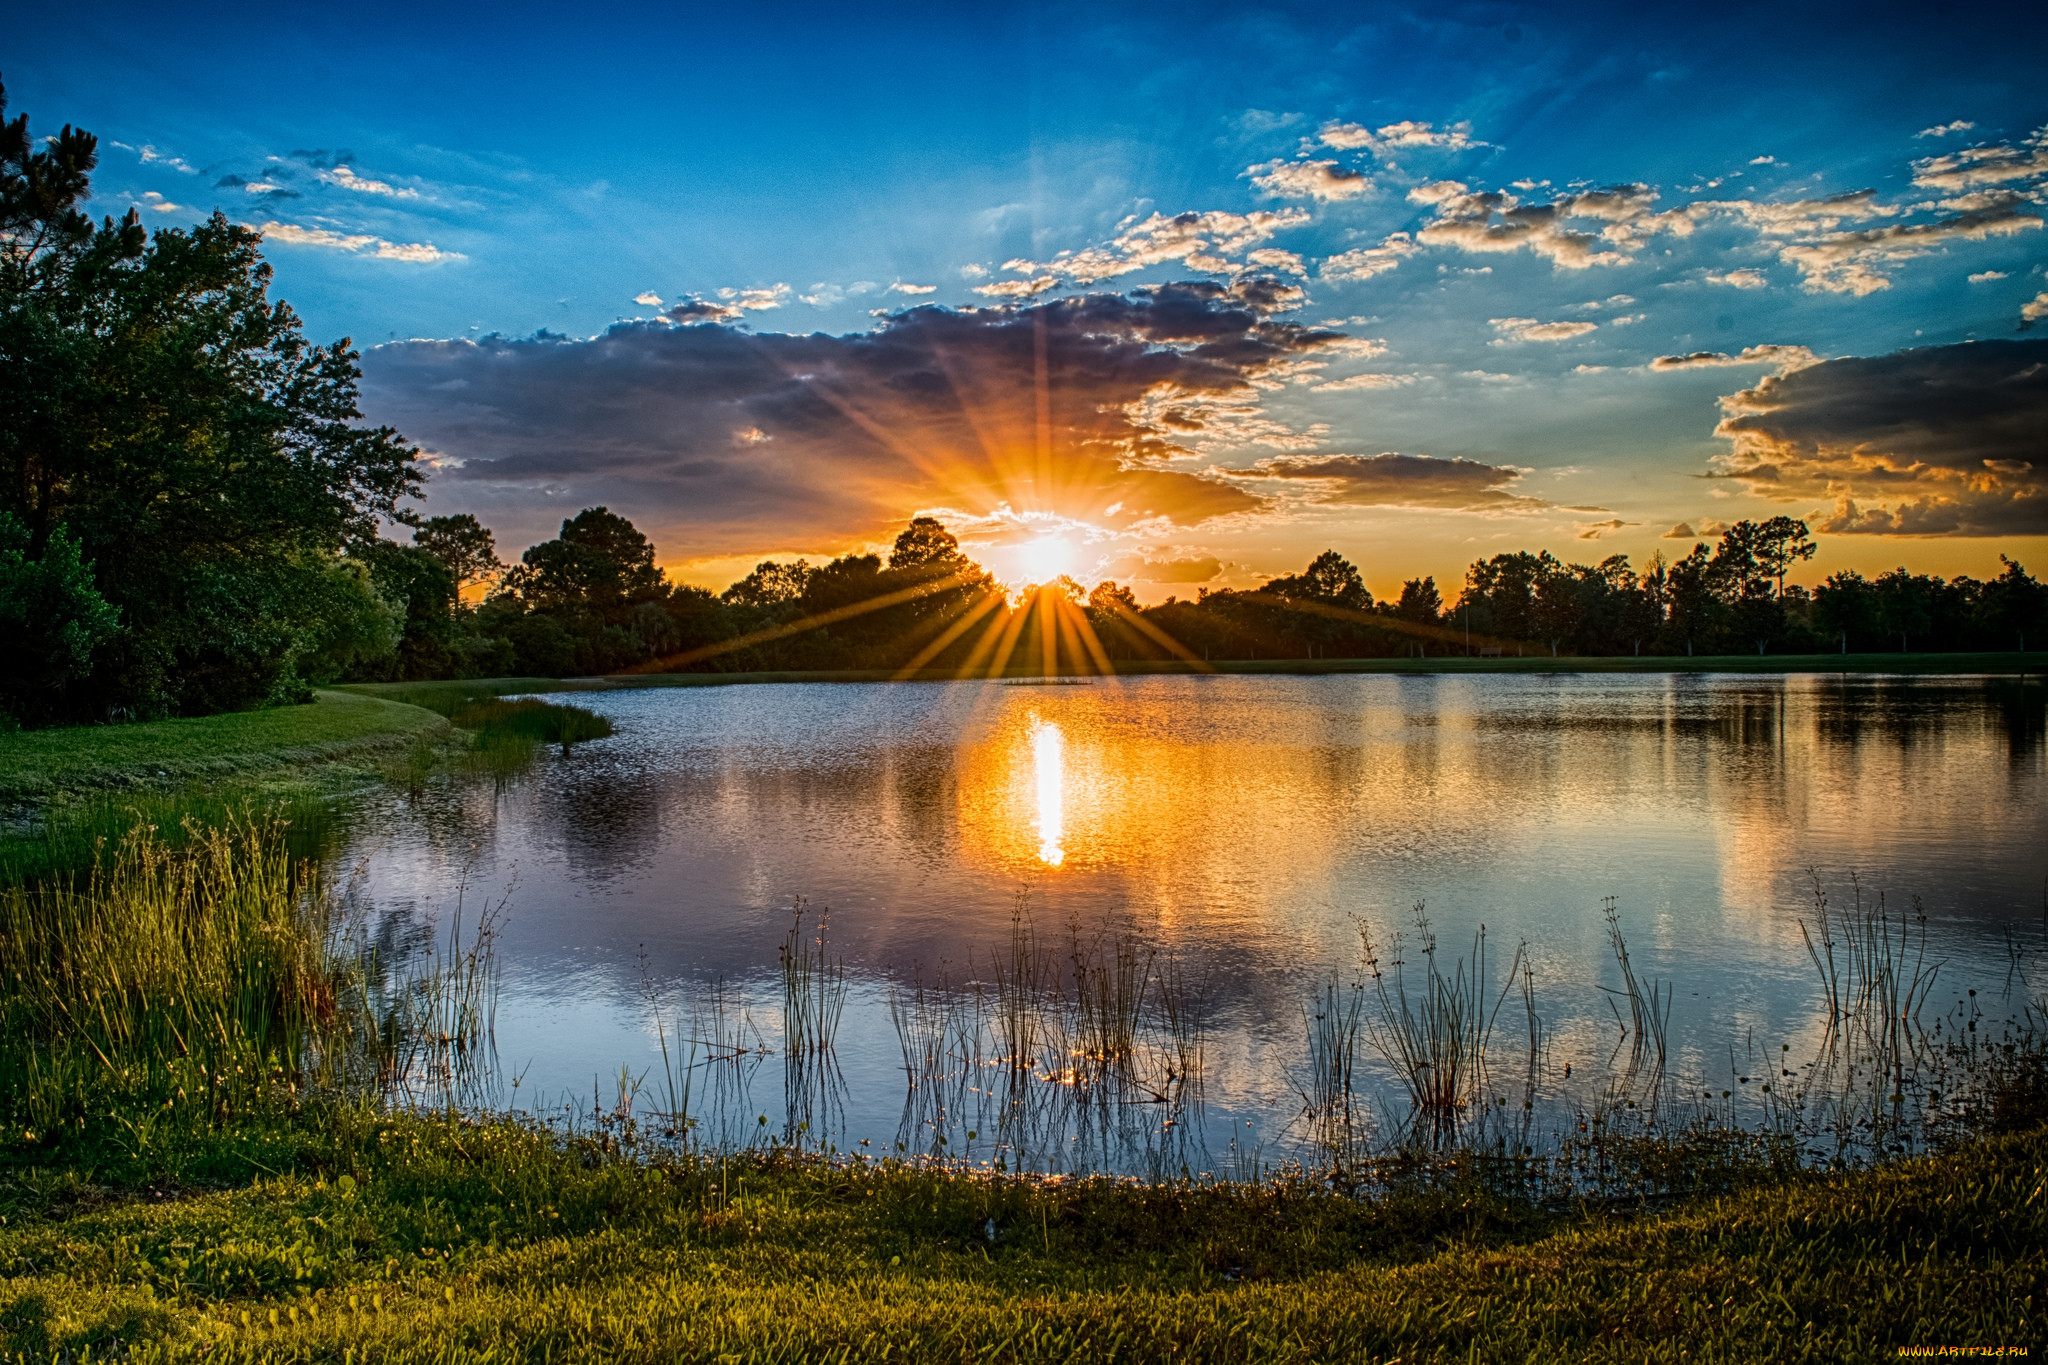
point(531, 719)
point(196, 969)
point(70, 839)
point(813, 987)
point(1649, 1011)
point(1436, 1039)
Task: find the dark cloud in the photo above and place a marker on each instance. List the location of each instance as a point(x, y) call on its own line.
point(1056, 405)
point(1393, 480)
point(1937, 441)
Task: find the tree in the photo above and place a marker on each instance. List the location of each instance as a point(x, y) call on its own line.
point(172, 422)
point(1111, 600)
point(463, 546)
point(1780, 543)
point(1420, 602)
point(1329, 578)
point(770, 585)
point(422, 591)
point(926, 545)
point(1906, 604)
point(600, 563)
point(52, 617)
point(1690, 602)
point(2013, 606)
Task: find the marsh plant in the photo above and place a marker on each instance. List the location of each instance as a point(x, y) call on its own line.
point(189, 968)
point(813, 985)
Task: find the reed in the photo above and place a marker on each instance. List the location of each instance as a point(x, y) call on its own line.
point(1436, 1039)
point(1649, 1011)
point(529, 718)
point(1330, 1102)
point(1873, 970)
point(194, 969)
point(813, 986)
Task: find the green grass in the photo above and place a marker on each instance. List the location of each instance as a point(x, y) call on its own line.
point(384, 1237)
point(240, 746)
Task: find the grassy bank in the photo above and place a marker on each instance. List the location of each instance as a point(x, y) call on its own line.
point(243, 746)
point(342, 1233)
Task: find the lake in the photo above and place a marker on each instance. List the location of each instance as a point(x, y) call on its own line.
point(1233, 834)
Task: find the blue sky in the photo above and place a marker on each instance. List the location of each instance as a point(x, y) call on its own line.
point(1443, 251)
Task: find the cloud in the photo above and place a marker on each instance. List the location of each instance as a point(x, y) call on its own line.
point(1564, 231)
point(1986, 276)
point(1763, 161)
point(1944, 129)
point(1366, 262)
point(343, 177)
point(1019, 289)
point(156, 203)
point(1394, 136)
point(1198, 241)
point(420, 253)
point(1165, 566)
point(1741, 279)
point(292, 234)
point(647, 299)
point(1992, 164)
point(973, 272)
point(901, 288)
point(263, 186)
point(1850, 262)
point(2035, 309)
point(1363, 381)
point(1785, 358)
point(932, 408)
point(693, 311)
point(1682, 531)
point(1936, 441)
point(1395, 480)
point(1593, 530)
point(148, 156)
point(1273, 258)
point(1325, 181)
point(1529, 329)
point(756, 300)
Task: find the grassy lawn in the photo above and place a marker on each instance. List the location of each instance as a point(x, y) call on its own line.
point(376, 1237)
point(39, 764)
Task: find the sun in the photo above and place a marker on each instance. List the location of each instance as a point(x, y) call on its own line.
point(1044, 558)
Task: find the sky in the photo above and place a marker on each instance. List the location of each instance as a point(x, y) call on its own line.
point(1178, 295)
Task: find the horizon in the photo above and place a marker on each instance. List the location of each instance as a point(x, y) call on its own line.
point(1199, 298)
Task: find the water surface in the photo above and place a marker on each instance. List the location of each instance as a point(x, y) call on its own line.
point(1247, 827)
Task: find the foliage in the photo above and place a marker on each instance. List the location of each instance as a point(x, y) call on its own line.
point(463, 546)
point(170, 421)
point(51, 615)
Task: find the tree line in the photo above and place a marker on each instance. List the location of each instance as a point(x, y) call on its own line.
point(193, 518)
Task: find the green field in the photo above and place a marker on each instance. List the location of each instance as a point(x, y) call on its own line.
point(240, 746)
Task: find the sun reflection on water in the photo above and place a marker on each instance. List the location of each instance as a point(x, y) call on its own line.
point(1048, 758)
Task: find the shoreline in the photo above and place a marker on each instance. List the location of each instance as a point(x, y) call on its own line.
point(324, 745)
point(2008, 664)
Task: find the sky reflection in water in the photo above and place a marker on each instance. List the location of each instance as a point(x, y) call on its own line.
point(1244, 826)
